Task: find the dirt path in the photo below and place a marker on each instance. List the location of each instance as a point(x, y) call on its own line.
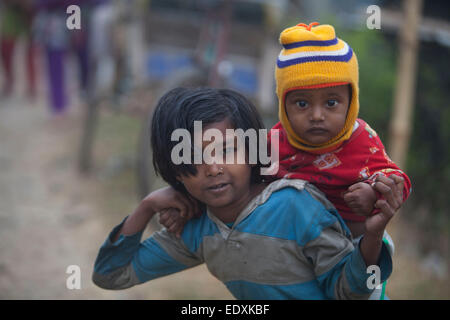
point(43, 215)
point(51, 217)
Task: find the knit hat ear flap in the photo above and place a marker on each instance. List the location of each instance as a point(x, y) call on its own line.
point(313, 57)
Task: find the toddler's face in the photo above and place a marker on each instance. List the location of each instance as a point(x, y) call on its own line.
point(318, 115)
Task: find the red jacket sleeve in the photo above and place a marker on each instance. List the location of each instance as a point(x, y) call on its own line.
point(381, 164)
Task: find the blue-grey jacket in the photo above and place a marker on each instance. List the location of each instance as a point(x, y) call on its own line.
point(288, 243)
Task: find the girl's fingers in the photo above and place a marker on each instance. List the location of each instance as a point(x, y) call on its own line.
point(176, 228)
point(163, 216)
point(166, 217)
point(387, 188)
point(399, 182)
point(186, 207)
point(173, 227)
point(170, 222)
point(385, 208)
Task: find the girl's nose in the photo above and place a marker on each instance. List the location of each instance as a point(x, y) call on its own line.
point(213, 170)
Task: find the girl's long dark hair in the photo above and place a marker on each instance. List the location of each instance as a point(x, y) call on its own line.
point(180, 107)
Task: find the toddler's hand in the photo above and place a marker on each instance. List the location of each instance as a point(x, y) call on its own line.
point(360, 197)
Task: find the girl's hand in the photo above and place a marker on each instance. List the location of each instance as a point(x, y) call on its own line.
point(392, 190)
point(174, 208)
point(157, 201)
point(173, 221)
point(167, 198)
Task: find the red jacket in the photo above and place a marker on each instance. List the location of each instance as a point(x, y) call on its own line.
point(360, 158)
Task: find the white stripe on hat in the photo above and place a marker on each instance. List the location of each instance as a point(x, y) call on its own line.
point(306, 54)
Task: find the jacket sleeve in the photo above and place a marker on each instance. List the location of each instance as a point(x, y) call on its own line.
point(128, 262)
point(379, 162)
point(339, 266)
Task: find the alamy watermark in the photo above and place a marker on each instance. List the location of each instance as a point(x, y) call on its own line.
point(373, 281)
point(228, 149)
point(374, 20)
point(74, 280)
point(74, 20)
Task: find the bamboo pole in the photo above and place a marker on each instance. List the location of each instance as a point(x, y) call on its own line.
point(400, 126)
point(401, 121)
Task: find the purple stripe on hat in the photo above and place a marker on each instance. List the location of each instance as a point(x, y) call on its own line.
point(342, 58)
point(311, 43)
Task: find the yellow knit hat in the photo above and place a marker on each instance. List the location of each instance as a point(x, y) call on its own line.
point(313, 57)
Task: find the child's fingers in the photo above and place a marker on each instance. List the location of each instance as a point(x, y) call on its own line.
point(399, 181)
point(388, 188)
point(176, 228)
point(181, 206)
point(386, 210)
point(166, 216)
point(172, 227)
point(186, 207)
point(376, 224)
point(172, 220)
point(163, 216)
point(349, 197)
point(354, 187)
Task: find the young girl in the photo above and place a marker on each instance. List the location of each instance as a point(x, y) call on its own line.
point(281, 240)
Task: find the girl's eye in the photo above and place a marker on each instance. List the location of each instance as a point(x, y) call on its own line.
point(332, 103)
point(301, 104)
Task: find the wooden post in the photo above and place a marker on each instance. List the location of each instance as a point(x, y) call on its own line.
point(401, 122)
point(400, 126)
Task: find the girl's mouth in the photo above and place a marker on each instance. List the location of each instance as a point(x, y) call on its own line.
point(218, 188)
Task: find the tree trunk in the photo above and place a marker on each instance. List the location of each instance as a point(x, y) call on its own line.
point(87, 139)
point(401, 122)
point(400, 126)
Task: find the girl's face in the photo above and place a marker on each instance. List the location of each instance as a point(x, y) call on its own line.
point(318, 115)
point(220, 186)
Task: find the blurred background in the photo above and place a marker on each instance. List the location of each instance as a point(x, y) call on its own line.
point(75, 104)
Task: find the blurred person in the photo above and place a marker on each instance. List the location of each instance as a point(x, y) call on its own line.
point(101, 50)
point(16, 18)
point(32, 47)
point(79, 43)
point(53, 35)
point(58, 41)
point(281, 240)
